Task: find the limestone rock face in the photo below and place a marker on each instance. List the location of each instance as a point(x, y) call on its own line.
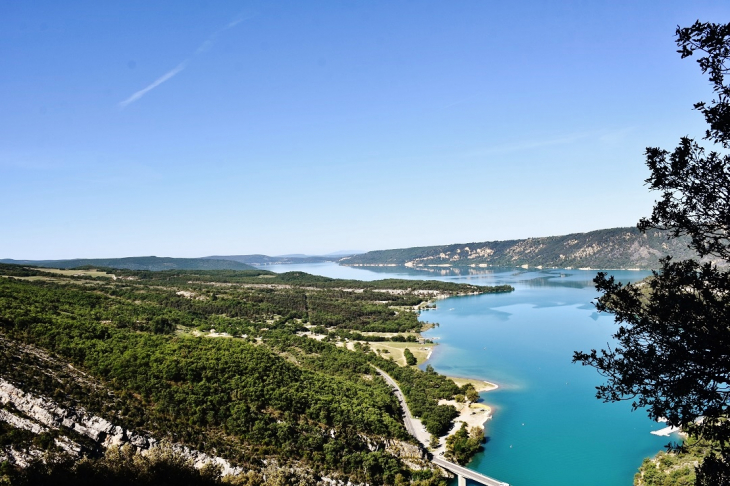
point(44, 414)
point(21, 423)
point(412, 455)
point(613, 248)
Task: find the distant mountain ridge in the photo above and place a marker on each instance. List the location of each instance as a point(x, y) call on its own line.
point(283, 259)
point(272, 260)
point(151, 263)
point(615, 248)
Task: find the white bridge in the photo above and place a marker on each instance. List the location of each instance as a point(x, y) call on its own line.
point(463, 473)
point(414, 427)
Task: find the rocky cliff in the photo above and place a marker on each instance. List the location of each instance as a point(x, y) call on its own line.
point(616, 248)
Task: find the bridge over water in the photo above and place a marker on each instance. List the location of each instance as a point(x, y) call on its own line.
point(416, 429)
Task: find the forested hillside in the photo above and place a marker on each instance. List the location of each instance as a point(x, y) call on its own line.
point(219, 362)
point(616, 248)
point(139, 263)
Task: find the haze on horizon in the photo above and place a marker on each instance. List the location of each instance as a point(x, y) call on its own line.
point(213, 128)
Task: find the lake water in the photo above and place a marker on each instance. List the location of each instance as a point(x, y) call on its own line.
point(548, 428)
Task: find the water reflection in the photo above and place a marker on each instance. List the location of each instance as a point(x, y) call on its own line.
point(571, 278)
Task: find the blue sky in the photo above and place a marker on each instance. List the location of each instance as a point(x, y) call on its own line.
point(198, 128)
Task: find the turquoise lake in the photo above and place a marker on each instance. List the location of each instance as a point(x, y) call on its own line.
point(547, 427)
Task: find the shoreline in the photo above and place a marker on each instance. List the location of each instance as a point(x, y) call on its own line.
point(479, 385)
point(472, 414)
point(426, 268)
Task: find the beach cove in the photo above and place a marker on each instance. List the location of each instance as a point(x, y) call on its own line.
point(547, 427)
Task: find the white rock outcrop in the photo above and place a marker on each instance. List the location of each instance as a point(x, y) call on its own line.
point(45, 414)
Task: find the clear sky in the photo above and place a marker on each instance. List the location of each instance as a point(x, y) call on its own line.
point(209, 127)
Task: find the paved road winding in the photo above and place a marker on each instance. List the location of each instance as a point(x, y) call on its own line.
point(416, 429)
point(413, 425)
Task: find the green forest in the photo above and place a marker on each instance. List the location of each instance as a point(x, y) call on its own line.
point(262, 390)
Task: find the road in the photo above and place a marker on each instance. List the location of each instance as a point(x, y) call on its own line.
point(413, 425)
point(416, 429)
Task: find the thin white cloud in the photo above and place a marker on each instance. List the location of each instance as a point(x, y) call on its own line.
point(235, 22)
point(616, 136)
point(204, 46)
point(156, 83)
point(207, 44)
point(603, 136)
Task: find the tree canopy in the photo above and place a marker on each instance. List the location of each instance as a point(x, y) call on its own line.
point(672, 352)
point(224, 362)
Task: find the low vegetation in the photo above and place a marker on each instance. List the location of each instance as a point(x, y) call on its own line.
point(461, 446)
point(677, 467)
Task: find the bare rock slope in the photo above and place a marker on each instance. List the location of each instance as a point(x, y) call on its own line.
point(616, 248)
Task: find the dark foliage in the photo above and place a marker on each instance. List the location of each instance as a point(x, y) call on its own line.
point(119, 467)
point(673, 351)
point(462, 446)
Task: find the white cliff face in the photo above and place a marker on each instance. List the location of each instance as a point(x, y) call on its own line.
point(20, 458)
point(44, 415)
point(21, 423)
point(412, 455)
point(47, 413)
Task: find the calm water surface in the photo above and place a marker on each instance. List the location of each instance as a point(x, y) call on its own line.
point(548, 427)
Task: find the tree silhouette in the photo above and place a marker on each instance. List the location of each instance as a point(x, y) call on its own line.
point(673, 342)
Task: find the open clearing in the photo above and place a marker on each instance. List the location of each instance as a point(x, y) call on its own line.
point(395, 350)
point(75, 273)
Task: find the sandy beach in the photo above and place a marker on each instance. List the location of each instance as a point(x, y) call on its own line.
point(479, 385)
point(472, 414)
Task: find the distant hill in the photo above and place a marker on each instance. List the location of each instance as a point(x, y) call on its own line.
point(139, 263)
point(615, 248)
point(344, 253)
point(282, 259)
point(272, 260)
